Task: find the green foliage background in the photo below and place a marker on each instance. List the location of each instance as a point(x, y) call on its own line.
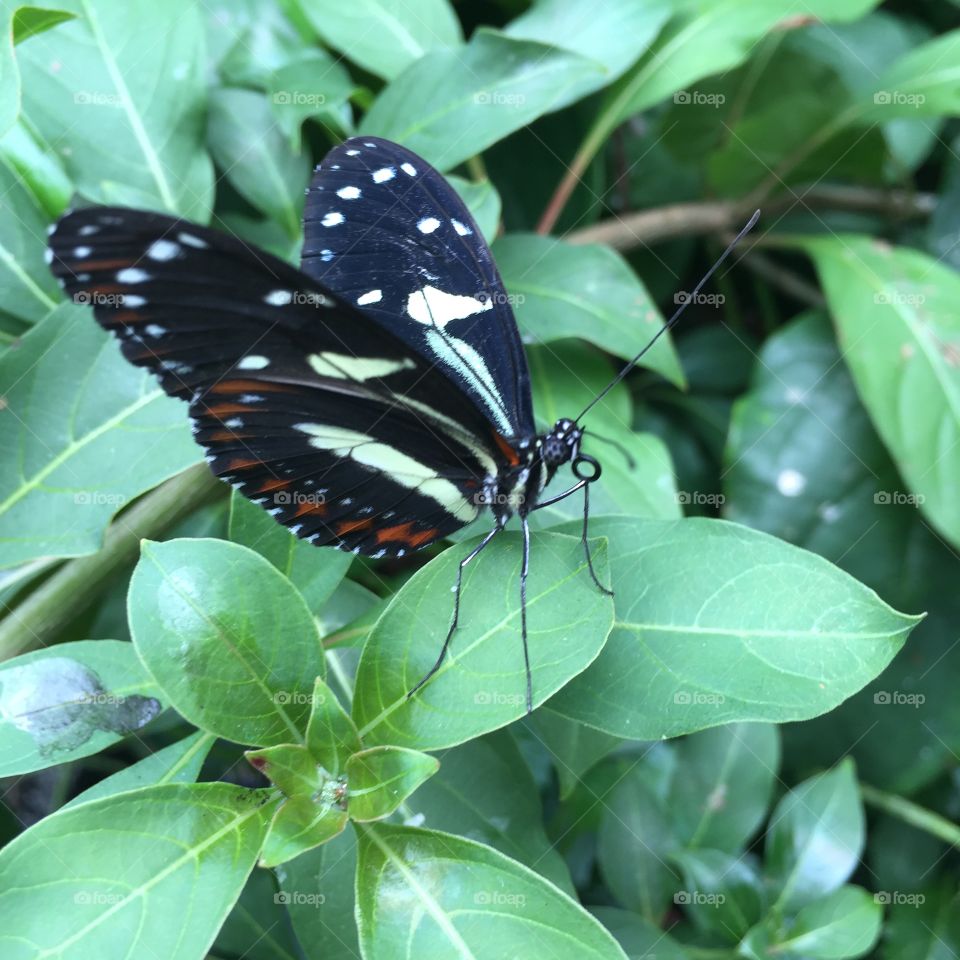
point(204, 736)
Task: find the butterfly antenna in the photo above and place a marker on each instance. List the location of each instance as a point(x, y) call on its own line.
point(751, 223)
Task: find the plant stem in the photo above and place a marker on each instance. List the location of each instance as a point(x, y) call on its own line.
point(477, 168)
point(78, 583)
point(912, 813)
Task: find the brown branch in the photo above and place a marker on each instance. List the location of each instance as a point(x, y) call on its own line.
point(685, 219)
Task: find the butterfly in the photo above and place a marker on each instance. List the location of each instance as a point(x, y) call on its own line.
point(377, 399)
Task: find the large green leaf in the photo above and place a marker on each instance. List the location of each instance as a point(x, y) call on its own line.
point(42, 172)
point(84, 433)
point(709, 36)
point(228, 639)
point(255, 156)
point(127, 115)
point(717, 623)
point(484, 790)
point(588, 291)
point(105, 879)
point(428, 894)
point(815, 837)
point(481, 686)
point(900, 336)
point(613, 33)
point(69, 701)
point(384, 36)
point(452, 104)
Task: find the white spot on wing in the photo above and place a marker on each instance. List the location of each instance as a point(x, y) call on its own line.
point(428, 224)
point(154, 330)
point(371, 296)
point(409, 169)
point(349, 193)
point(383, 174)
point(278, 298)
point(132, 300)
point(191, 241)
point(352, 153)
point(88, 230)
point(253, 362)
point(462, 229)
point(132, 275)
point(332, 219)
point(82, 251)
point(436, 307)
point(163, 250)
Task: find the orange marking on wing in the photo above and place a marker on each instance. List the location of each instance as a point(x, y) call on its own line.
point(223, 409)
point(104, 264)
point(315, 507)
point(270, 485)
point(348, 526)
point(124, 316)
point(513, 458)
point(243, 463)
point(404, 533)
point(252, 386)
point(223, 435)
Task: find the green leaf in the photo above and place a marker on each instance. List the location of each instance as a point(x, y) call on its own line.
point(318, 889)
point(633, 847)
point(723, 895)
point(428, 894)
point(104, 423)
point(258, 927)
point(641, 939)
point(452, 104)
point(70, 701)
point(331, 735)
point(844, 924)
point(925, 926)
point(289, 766)
point(116, 871)
point(314, 85)
point(825, 489)
point(709, 37)
point(380, 37)
point(923, 82)
point(815, 837)
point(19, 23)
point(482, 684)
point(588, 291)
point(178, 763)
point(565, 380)
point(144, 100)
point(228, 639)
point(484, 790)
point(315, 573)
point(900, 335)
point(573, 747)
point(300, 824)
point(482, 201)
point(255, 156)
point(614, 33)
point(723, 785)
point(41, 171)
point(716, 623)
point(28, 290)
point(381, 778)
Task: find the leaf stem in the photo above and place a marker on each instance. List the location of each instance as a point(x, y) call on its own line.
point(78, 583)
point(912, 813)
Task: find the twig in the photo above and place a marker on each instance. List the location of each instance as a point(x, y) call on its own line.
point(684, 219)
point(912, 813)
point(785, 280)
point(78, 583)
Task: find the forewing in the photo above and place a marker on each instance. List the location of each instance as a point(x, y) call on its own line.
point(308, 406)
point(387, 232)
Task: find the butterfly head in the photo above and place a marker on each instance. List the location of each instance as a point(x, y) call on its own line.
point(561, 444)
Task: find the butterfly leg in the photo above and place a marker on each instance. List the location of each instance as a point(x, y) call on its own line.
point(524, 568)
point(456, 607)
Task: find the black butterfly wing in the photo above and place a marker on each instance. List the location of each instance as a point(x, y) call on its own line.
point(308, 406)
point(387, 232)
